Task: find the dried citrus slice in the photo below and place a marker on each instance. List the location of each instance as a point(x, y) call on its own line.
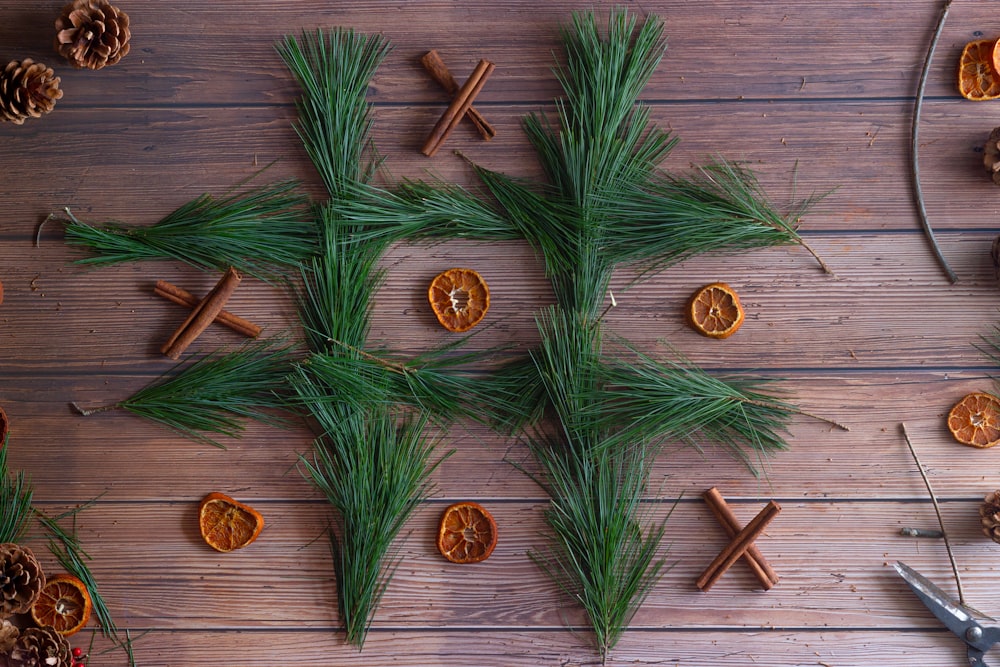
point(975, 420)
point(459, 298)
point(467, 533)
point(715, 311)
point(977, 75)
point(227, 524)
point(64, 604)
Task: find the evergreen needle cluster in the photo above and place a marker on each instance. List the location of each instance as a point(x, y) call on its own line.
point(262, 232)
point(606, 203)
point(15, 500)
point(216, 393)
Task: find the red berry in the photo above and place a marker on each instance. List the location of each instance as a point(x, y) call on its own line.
point(77, 652)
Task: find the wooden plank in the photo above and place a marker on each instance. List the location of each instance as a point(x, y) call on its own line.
point(887, 306)
point(455, 648)
point(823, 462)
point(833, 559)
point(727, 50)
point(142, 163)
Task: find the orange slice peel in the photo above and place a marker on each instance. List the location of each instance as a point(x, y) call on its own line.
point(978, 77)
point(227, 524)
point(975, 420)
point(715, 311)
point(467, 533)
point(459, 299)
point(64, 604)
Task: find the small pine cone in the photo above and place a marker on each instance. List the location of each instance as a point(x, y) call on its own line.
point(8, 636)
point(21, 579)
point(27, 90)
point(40, 647)
point(991, 155)
point(92, 34)
point(989, 514)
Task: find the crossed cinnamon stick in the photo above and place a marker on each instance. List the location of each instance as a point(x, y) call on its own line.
point(741, 543)
point(203, 313)
point(458, 108)
point(435, 66)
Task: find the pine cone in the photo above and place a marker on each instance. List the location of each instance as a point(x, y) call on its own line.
point(991, 155)
point(27, 90)
point(40, 647)
point(21, 579)
point(989, 513)
point(8, 637)
point(92, 34)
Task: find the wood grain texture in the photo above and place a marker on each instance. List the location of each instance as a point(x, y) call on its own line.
point(815, 96)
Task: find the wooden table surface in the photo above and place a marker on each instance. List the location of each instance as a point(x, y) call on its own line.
point(815, 96)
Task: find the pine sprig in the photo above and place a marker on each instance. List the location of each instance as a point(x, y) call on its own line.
point(373, 467)
point(335, 300)
point(334, 70)
point(16, 492)
point(215, 394)
point(440, 385)
point(262, 232)
point(601, 556)
point(643, 399)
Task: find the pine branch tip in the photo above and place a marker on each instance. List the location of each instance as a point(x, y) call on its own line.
point(92, 411)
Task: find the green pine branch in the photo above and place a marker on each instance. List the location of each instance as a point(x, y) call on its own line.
point(334, 70)
point(373, 466)
point(216, 393)
point(16, 491)
point(262, 232)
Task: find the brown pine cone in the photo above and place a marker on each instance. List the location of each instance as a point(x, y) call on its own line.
point(8, 637)
point(40, 647)
point(21, 579)
point(92, 34)
point(27, 90)
point(991, 155)
point(989, 514)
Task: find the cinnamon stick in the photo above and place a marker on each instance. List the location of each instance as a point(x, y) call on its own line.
point(459, 106)
point(752, 556)
point(439, 72)
point(184, 298)
point(202, 315)
point(737, 546)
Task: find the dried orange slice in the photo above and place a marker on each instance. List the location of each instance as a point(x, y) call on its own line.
point(227, 524)
point(977, 75)
point(975, 420)
point(467, 533)
point(715, 311)
point(64, 604)
point(459, 298)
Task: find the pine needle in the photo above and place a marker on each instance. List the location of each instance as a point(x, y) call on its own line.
point(437, 383)
point(15, 500)
point(334, 70)
point(216, 393)
point(649, 400)
point(262, 232)
point(601, 556)
point(374, 469)
point(66, 547)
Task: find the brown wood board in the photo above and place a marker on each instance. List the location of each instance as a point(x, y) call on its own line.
point(815, 96)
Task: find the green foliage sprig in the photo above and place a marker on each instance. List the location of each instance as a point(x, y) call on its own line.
point(16, 492)
point(373, 467)
point(216, 393)
point(262, 232)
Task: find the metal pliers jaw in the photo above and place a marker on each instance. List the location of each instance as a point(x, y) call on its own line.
point(956, 617)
